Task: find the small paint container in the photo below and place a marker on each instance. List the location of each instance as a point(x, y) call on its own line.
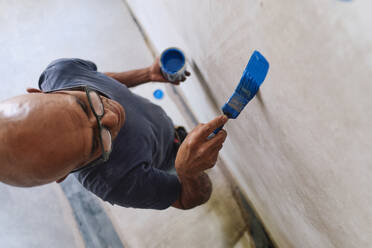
point(173, 64)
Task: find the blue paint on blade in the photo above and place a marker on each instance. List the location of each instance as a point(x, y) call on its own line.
point(253, 76)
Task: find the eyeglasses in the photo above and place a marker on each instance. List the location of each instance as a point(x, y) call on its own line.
point(98, 110)
point(105, 138)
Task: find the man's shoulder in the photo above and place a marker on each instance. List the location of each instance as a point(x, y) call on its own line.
point(62, 71)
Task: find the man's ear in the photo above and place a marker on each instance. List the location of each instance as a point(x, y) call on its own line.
point(33, 90)
point(61, 179)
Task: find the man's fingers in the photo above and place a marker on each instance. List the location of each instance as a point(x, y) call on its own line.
point(183, 78)
point(216, 142)
point(220, 138)
point(209, 127)
point(212, 160)
point(211, 149)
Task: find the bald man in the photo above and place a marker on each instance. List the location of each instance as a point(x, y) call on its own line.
point(119, 145)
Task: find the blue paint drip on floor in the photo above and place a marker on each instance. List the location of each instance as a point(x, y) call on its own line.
point(158, 94)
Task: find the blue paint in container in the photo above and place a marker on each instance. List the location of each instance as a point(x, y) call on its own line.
point(173, 64)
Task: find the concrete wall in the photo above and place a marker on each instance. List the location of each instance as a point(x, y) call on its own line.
point(301, 150)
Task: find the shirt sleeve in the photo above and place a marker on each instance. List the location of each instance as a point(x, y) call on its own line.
point(146, 187)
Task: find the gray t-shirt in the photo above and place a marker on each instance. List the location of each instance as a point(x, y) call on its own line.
point(136, 173)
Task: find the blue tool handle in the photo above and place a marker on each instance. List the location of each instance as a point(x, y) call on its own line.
point(218, 129)
point(215, 132)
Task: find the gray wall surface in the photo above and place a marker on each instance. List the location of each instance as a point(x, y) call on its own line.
point(301, 150)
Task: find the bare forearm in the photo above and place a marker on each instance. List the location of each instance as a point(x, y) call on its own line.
point(195, 191)
point(132, 78)
point(196, 154)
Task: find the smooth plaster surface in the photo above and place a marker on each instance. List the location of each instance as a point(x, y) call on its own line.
point(301, 150)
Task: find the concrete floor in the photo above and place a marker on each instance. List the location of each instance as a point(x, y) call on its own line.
point(33, 33)
point(36, 217)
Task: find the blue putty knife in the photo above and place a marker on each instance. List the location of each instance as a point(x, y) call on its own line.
point(253, 76)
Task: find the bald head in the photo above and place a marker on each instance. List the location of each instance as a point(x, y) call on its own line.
point(44, 137)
